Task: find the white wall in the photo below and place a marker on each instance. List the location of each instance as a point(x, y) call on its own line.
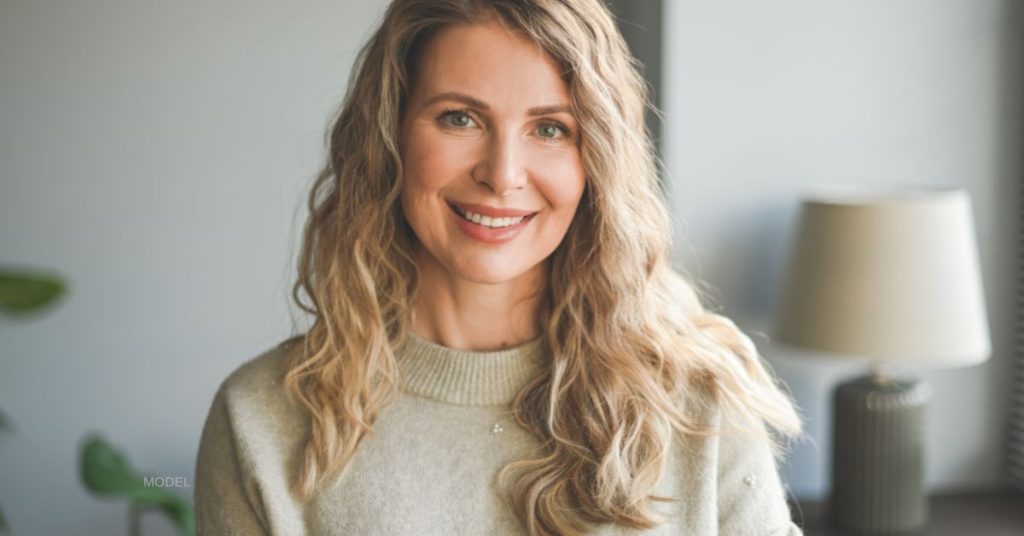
point(157, 154)
point(763, 98)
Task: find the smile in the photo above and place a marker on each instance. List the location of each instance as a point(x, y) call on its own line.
point(487, 221)
point(487, 229)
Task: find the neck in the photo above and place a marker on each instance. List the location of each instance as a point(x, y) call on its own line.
point(467, 315)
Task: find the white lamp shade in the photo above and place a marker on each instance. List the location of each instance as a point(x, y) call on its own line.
point(886, 274)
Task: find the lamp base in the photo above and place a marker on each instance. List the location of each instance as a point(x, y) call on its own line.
point(878, 456)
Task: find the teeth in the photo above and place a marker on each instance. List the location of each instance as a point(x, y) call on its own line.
point(487, 221)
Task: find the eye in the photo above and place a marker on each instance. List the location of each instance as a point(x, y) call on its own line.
point(553, 130)
point(457, 119)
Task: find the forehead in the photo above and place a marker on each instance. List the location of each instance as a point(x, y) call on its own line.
point(491, 63)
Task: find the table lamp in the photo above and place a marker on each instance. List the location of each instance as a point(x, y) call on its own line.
point(890, 274)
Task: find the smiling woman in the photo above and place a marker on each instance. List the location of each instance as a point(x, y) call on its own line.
point(488, 135)
point(500, 345)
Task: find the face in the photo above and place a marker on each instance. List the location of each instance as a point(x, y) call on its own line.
point(489, 134)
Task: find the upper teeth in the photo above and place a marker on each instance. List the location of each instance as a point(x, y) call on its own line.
point(488, 221)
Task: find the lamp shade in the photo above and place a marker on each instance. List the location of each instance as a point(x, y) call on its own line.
point(889, 274)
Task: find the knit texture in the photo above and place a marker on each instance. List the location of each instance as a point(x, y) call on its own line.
point(430, 467)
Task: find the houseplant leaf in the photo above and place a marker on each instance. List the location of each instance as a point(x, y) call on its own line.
point(23, 292)
point(107, 472)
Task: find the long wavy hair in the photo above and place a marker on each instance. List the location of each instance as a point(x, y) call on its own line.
point(629, 343)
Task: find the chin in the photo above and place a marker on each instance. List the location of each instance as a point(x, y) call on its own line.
point(490, 277)
point(491, 274)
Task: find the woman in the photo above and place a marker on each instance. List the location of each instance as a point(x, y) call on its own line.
point(500, 344)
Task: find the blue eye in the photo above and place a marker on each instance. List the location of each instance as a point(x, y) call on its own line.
point(554, 132)
point(551, 130)
point(457, 118)
point(460, 119)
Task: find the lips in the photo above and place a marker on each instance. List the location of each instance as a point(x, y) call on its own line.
point(493, 212)
point(490, 235)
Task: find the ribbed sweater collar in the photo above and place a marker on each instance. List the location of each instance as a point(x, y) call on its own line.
point(467, 377)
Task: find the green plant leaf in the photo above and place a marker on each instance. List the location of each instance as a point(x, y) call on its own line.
point(23, 292)
point(106, 472)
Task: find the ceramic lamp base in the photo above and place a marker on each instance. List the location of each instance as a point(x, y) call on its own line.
point(878, 457)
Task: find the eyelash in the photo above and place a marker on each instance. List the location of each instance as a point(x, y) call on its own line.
point(566, 133)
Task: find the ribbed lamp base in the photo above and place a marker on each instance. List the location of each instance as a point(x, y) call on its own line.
point(878, 457)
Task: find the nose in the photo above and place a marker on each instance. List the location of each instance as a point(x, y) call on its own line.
point(503, 169)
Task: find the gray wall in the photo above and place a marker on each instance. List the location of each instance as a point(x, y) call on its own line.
point(764, 98)
point(157, 155)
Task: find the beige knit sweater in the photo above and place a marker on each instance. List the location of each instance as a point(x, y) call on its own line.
point(430, 468)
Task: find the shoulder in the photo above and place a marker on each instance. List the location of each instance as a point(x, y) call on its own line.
point(258, 372)
point(738, 454)
point(253, 395)
point(257, 376)
point(252, 421)
point(751, 490)
point(742, 441)
point(248, 446)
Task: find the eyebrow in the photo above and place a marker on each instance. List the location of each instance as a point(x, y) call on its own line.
point(473, 101)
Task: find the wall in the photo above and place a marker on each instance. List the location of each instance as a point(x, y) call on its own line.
point(764, 98)
point(157, 155)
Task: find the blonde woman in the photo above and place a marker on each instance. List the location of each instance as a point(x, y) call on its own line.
point(500, 345)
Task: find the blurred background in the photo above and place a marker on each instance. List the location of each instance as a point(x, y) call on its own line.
point(156, 155)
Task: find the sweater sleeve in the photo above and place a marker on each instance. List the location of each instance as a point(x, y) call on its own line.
point(751, 496)
point(226, 498)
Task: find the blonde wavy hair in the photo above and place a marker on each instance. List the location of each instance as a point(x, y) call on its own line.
point(627, 337)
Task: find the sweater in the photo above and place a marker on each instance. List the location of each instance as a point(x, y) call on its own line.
point(430, 466)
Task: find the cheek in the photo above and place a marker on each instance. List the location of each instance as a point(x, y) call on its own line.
point(429, 163)
point(564, 182)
